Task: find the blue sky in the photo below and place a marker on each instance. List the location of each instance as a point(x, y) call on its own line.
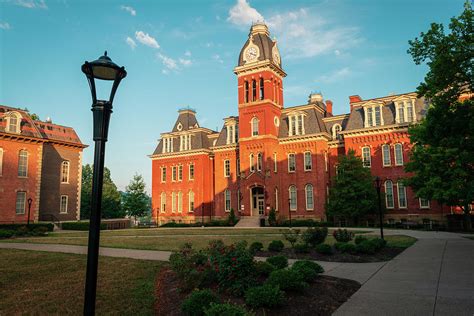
point(182, 53)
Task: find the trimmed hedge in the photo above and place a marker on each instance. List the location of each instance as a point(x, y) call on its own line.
point(264, 296)
point(32, 226)
point(6, 233)
point(198, 301)
point(324, 249)
point(79, 226)
point(255, 246)
point(276, 245)
point(264, 268)
point(279, 262)
point(287, 279)
point(309, 270)
point(225, 309)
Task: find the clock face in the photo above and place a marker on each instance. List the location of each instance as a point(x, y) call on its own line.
point(251, 53)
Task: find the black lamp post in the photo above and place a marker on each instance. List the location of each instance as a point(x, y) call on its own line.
point(289, 209)
point(378, 185)
point(102, 69)
point(30, 200)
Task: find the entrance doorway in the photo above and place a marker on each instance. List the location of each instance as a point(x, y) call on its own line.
point(258, 201)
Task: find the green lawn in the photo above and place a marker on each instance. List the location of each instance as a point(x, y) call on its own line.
point(172, 239)
point(39, 283)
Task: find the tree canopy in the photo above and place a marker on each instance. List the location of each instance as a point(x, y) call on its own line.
point(352, 194)
point(136, 201)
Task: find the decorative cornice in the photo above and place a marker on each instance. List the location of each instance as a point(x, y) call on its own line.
point(259, 66)
point(180, 154)
point(335, 117)
point(300, 138)
point(32, 139)
point(376, 130)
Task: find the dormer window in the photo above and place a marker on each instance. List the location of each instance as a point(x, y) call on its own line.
point(232, 133)
point(255, 126)
point(405, 111)
point(167, 145)
point(13, 123)
point(336, 129)
point(185, 142)
point(373, 115)
point(296, 124)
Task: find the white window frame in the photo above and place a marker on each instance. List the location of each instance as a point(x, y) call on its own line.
point(26, 163)
point(163, 174)
point(386, 154)
point(370, 117)
point(398, 156)
point(289, 162)
point(307, 197)
point(173, 202)
point(296, 124)
point(227, 200)
point(180, 172)
point(306, 161)
point(275, 163)
point(174, 173)
point(190, 201)
point(255, 126)
point(63, 207)
point(63, 175)
point(191, 171)
point(17, 125)
point(20, 204)
point(336, 129)
point(387, 195)
point(401, 110)
point(424, 206)
point(226, 168)
point(366, 162)
point(180, 202)
point(401, 186)
point(252, 163)
point(293, 206)
point(163, 202)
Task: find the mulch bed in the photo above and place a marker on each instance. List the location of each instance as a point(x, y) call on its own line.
point(322, 297)
point(384, 254)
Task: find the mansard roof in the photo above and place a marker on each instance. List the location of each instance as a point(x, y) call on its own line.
point(259, 36)
point(342, 120)
point(313, 122)
point(222, 138)
point(186, 120)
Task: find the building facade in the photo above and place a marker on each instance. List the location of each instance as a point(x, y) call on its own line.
point(285, 158)
point(40, 162)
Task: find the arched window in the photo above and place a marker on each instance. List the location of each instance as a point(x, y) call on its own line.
point(191, 201)
point(13, 122)
point(255, 126)
point(163, 202)
point(387, 161)
point(336, 129)
point(227, 200)
point(293, 203)
point(259, 161)
point(398, 155)
point(366, 156)
point(309, 197)
point(65, 172)
point(261, 89)
point(254, 90)
point(389, 194)
point(63, 204)
point(246, 91)
point(402, 195)
point(251, 163)
point(23, 163)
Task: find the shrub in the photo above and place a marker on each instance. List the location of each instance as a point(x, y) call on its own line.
point(191, 267)
point(232, 219)
point(264, 296)
point(359, 238)
point(379, 243)
point(315, 235)
point(196, 303)
point(287, 279)
point(279, 262)
point(255, 246)
point(366, 247)
point(272, 220)
point(299, 223)
point(264, 268)
point(6, 233)
point(79, 226)
point(343, 235)
point(301, 248)
point(225, 309)
point(324, 249)
point(307, 269)
point(32, 226)
point(292, 236)
point(40, 231)
point(276, 245)
point(345, 247)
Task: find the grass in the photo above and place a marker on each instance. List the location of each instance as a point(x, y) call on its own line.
point(39, 283)
point(400, 241)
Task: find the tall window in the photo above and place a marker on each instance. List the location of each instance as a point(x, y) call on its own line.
point(231, 134)
point(402, 195)
point(13, 123)
point(163, 174)
point(401, 113)
point(251, 162)
point(276, 199)
point(387, 161)
point(191, 171)
point(20, 202)
point(167, 145)
point(191, 201)
point(246, 91)
point(300, 125)
point(308, 162)
point(293, 204)
point(424, 203)
point(261, 89)
point(366, 156)
point(410, 111)
point(65, 172)
point(259, 161)
point(23, 163)
point(275, 163)
point(378, 120)
point(163, 202)
point(173, 173)
point(173, 202)
point(227, 200)
point(180, 172)
point(309, 197)
point(63, 205)
point(370, 121)
point(336, 129)
point(226, 168)
point(389, 194)
point(254, 90)
point(398, 155)
point(291, 163)
point(180, 202)
point(255, 126)
point(185, 142)
point(296, 125)
point(1, 160)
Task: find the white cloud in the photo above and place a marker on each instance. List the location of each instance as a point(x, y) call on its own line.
point(185, 62)
point(130, 10)
point(5, 26)
point(130, 42)
point(146, 39)
point(168, 62)
point(187, 53)
point(335, 76)
point(242, 14)
point(217, 58)
point(337, 52)
point(31, 4)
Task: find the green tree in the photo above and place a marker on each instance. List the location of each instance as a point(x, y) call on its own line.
point(352, 194)
point(442, 158)
point(111, 201)
point(136, 202)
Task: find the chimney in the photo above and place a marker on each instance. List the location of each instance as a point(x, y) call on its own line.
point(328, 107)
point(354, 99)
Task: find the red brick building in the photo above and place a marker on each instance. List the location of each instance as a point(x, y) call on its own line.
point(40, 161)
point(272, 156)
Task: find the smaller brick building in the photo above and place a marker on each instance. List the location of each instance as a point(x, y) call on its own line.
point(40, 161)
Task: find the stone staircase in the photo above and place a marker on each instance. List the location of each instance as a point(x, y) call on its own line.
point(248, 221)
